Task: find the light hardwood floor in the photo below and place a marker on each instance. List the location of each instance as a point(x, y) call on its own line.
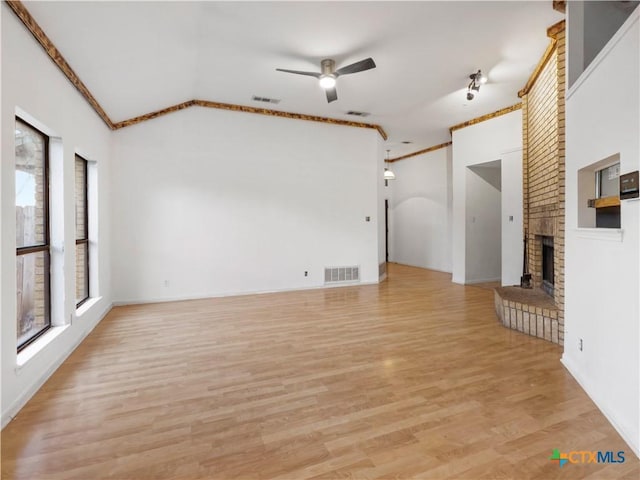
point(413, 378)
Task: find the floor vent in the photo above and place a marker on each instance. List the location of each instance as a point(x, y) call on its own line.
point(341, 274)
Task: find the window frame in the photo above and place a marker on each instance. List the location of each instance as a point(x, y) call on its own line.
point(46, 246)
point(85, 239)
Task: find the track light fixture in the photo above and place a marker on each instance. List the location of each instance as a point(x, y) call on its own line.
point(477, 79)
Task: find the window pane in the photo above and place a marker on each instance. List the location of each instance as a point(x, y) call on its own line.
point(33, 295)
point(30, 186)
point(82, 272)
point(81, 199)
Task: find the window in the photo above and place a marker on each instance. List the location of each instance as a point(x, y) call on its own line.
point(82, 232)
point(32, 233)
point(599, 194)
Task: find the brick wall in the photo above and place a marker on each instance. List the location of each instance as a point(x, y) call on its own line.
point(81, 215)
point(543, 165)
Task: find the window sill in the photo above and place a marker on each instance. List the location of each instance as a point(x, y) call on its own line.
point(38, 345)
point(86, 306)
point(608, 234)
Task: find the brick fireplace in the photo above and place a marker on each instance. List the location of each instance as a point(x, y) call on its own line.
point(548, 259)
point(543, 119)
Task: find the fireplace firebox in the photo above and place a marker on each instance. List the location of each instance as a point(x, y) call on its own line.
point(547, 265)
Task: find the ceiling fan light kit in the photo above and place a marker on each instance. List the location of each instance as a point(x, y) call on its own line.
point(327, 81)
point(328, 74)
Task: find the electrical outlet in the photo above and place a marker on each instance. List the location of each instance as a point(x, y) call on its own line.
point(580, 345)
point(306, 274)
point(166, 283)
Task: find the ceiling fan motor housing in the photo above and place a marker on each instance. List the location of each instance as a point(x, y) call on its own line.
point(328, 66)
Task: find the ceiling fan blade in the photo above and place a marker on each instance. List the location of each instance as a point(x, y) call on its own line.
point(298, 72)
point(332, 94)
point(360, 66)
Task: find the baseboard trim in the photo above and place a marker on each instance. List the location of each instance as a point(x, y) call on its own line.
point(574, 371)
point(203, 296)
point(482, 280)
point(422, 266)
point(13, 409)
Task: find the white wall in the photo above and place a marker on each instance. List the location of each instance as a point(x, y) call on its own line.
point(483, 250)
point(382, 196)
point(494, 139)
point(420, 207)
point(511, 221)
point(210, 202)
point(602, 270)
point(34, 86)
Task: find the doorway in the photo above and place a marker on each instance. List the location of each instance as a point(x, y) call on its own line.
point(386, 230)
point(483, 232)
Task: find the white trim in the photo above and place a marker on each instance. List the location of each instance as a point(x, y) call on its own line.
point(607, 234)
point(38, 345)
point(202, 296)
point(34, 122)
point(482, 280)
point(613, 41)
point(573, 370)
point(84, 155)
point(86, 306)
point(423, 267)
point(12, 410)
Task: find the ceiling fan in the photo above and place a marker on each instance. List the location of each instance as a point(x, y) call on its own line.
point(328, 74)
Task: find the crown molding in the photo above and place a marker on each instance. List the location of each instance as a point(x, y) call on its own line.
point(552, 32)
point(23, 14)
point(420, 152)
point(560, 6)
point(555, 29)
point(152, 115)
point(548, 53)
point(488, 116)
point(52, 51)
point(246, 109)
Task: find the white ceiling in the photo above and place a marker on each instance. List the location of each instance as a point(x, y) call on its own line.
point(137, 57)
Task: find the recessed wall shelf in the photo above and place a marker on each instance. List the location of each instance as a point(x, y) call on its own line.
point(613, 201)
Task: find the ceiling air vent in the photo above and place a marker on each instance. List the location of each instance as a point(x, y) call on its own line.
point(341, 275)
point(256, 98)
point(358, 114)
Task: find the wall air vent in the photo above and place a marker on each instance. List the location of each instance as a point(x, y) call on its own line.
point(358, 114)
point(256, 98)
point(334, 275)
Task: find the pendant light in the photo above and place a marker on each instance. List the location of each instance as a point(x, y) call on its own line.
point(388, 174)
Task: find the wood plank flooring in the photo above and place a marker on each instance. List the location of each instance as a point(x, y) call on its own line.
point(412, 378)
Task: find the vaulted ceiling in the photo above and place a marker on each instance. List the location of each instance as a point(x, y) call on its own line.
point(138, 57)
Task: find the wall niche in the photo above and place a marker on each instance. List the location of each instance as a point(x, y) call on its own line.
point(598, 194)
